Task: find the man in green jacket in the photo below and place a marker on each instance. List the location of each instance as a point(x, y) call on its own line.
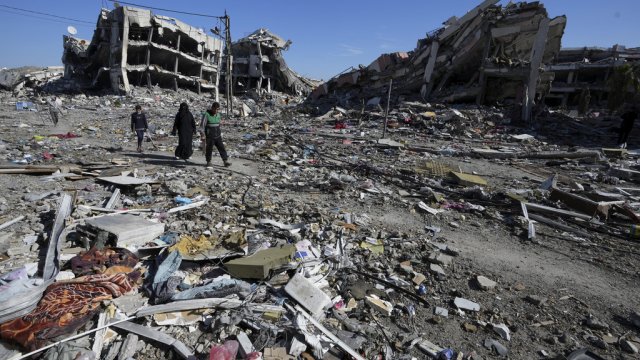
point(210, 130)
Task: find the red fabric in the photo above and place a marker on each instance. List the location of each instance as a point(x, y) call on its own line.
point(65, 307)
point(68, 135)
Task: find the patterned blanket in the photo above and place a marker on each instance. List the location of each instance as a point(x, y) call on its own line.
point(66, 306)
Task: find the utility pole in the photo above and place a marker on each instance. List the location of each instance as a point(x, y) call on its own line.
point(386, 113)
point(229, 67)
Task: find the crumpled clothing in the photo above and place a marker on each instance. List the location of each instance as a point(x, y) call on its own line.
point(96, 261)
point(165, 290)
point(164, 283)
point(216, 289)
point(189, 246)
point(65, 307)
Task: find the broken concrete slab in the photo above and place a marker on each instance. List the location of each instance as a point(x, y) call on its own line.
point(465, 304)
point(260, 264)
point(441, 311)
point(496, 346)
point(307, 294)
point(380, 305)
point(127, 230)
point(245, 345)
point(437, 269)
point(485, 283)
point(502, 330)
point(441, 259)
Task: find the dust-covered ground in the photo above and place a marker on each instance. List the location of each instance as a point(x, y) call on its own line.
point(555, 293)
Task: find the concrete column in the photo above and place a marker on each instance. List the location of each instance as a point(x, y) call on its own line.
point(148, 60)
point(125, 50)
point(428, 70)
point(261, 73)
point(201, 66)
point(537, 53)
point(175, 66)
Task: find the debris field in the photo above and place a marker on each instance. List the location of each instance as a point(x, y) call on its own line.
point(433, 205)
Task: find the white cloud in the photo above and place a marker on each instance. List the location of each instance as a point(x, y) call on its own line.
point(348, 50)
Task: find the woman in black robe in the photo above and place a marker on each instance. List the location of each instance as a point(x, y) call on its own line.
point(185, 126)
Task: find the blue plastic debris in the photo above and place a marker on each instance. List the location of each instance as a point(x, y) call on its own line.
point(446, 354)
point(183, 200)
point(24, 105)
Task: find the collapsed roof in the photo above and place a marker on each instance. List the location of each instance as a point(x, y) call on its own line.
point(135, 46)
point(258, 64)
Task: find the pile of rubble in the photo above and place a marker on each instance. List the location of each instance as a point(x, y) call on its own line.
point(323, 240)
point(21, 79)
point(490, 54)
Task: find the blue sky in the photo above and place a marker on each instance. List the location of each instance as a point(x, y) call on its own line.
point(328, 36)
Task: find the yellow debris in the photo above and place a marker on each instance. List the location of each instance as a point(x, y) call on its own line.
point(188, 246)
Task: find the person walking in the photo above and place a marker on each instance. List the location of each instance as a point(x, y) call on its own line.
point(210, 131)
point(628, 119)
point(139, 125)
point(185, 126)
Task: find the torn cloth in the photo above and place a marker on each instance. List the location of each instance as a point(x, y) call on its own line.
point(65, 307)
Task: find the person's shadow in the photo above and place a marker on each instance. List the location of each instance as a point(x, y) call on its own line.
point(156, 159)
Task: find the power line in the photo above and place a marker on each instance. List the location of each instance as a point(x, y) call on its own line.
point(46, 14)
point(167, 10)
point(39, 17)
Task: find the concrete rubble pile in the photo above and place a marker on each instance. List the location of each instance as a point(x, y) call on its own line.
point(133, 46)
point(490, 54)
point(18, 79)
point(258, 63)
point(322, 241)
point(340, 231)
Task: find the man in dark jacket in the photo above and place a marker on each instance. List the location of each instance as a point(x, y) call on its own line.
point(628, 119)
point(139, 125)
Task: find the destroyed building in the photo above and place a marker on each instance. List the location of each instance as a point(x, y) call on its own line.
point(586, 69)
point(258, 64)
point(133, 46)
point(27, 76)
point(491, 54)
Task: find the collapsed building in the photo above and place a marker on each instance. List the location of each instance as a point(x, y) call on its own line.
point(258, 64)
point(133, 46)
point(491, 54)
point(583, 69)
point(18, 78)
